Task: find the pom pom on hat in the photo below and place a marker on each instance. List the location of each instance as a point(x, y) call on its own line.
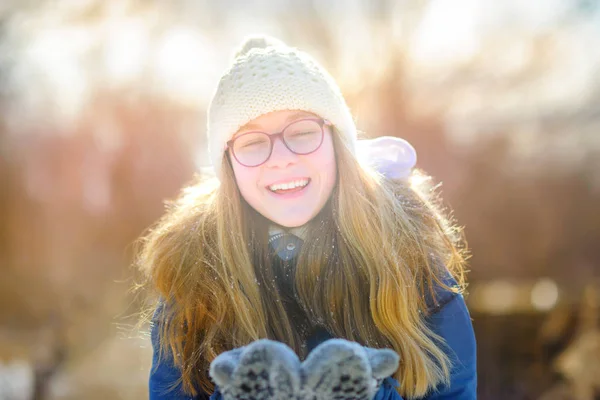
point(267, 76)
point(257, 42)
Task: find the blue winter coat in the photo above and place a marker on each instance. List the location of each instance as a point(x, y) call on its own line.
point(449, 318)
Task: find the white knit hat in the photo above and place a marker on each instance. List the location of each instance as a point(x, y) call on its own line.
point(266, 76)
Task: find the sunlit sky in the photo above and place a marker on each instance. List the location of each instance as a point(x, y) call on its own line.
point(59, 61)
point(185, 61)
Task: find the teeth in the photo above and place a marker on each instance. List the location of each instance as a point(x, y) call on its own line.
point(289, 185)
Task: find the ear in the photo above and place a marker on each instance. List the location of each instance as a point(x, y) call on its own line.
point(222, 367)
point(384, 362)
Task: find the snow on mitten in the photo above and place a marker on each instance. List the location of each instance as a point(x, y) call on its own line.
point(263, 370)
point(342, 370)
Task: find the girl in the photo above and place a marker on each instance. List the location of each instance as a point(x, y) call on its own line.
point(301, 241)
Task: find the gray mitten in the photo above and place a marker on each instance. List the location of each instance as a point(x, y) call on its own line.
point(339, 370)
point(263, 370)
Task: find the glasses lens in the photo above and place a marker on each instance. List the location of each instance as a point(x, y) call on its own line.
point(252, 149)
point(304, 136)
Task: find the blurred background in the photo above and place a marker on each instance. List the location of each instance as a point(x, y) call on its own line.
point(102, 118)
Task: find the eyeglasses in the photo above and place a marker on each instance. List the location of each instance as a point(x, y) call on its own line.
point(303, 136)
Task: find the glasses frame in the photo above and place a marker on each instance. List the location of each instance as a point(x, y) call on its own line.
point(279, 135)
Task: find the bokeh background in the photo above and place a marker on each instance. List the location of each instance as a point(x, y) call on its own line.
point(102, 118)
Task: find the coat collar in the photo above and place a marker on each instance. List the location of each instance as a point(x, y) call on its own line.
point(299, 231)
point(286, 244)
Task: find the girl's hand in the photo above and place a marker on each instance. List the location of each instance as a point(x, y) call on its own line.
point(336, 369)
point(263, 370)
point(339, 369)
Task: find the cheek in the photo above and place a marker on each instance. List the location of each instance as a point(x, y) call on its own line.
point(326, 163)
point(246, 179)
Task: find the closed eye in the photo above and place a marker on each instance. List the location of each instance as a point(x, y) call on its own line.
point(253, 142)
point(305, 133)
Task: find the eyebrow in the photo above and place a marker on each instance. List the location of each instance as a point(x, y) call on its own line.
point(251, 126)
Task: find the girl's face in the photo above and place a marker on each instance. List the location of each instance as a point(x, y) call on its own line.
point(289, 189)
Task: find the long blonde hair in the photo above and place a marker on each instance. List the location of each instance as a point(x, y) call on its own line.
point(363, 273)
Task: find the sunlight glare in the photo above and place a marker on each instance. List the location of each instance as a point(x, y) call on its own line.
point(126, 50)
point(56, 58)
point(185, 65)
point(447, 33)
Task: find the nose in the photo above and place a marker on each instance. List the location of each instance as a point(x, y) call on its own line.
point(281, 156)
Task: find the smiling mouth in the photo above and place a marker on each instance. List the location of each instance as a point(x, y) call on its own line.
point(289, 187)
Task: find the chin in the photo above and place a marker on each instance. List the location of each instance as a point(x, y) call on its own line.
point(291, 222)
